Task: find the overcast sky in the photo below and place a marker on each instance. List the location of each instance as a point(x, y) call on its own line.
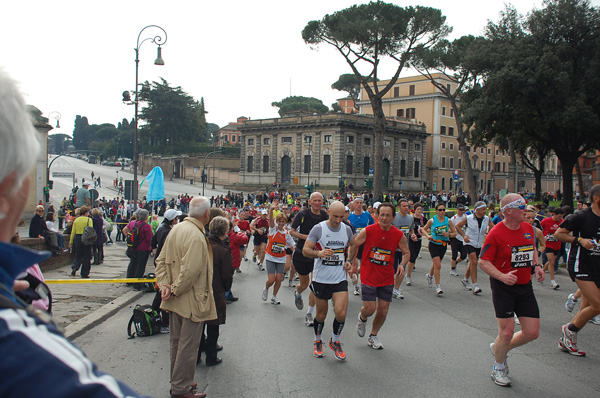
point(77, 57)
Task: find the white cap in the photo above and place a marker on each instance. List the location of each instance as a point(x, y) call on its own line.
point(347, 208)
point(264, 211)
point(172, 213)
point(376, 205)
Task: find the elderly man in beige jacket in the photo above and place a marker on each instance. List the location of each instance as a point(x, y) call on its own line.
point(184, 271)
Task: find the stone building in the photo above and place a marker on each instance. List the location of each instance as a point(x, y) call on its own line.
point(330, 150)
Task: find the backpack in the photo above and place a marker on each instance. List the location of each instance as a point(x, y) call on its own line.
point(133, 239)
point(89, 235)
point(148, 287)
point(146, 320)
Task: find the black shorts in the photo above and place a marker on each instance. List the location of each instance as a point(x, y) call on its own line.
point(516, 299)
point(303, 265)
point(288, 250)
point(260, 239)
point(457, 247)
point(324, 291)
point(556, 252)
point(359, 252)
point(371, 293)
point(582, 275)
point(470, 249)
point(415, 248)
point(437, 250)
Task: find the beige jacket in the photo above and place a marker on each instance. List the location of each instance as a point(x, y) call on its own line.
point(185, 263)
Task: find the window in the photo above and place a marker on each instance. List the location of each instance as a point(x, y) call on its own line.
point(451, 163)
point(451, 112)
point(451, 146)
point(250, 166)
point(411, 89)
point(449, 87)
point(327, 138)
point(326, 164)
point(443, 183)
point(443, 130)
point(250, 141)
point(451, 131)
point(266, 141)
point(366, 165)
point(497, 167)
point(233, 138)
point(459, 163)
point(387, 144)
point(307, 161)
point(443, 145)
point(482, 166)
point(265, 164)
point(503, 153)
point(443, 162)
point(417, 147)
point(496, 152)
point(286, 140)
point(481, 149)
point(349, 139)
point(450, 180)
point(396, 92)
point(503, 167)
point(308, 139)
point(403, 168)
point(443, 110)
point(400, 112)
point(349, 164)
point(417, 165)
point(410, 113)
point(403, 145)
point(367, 141)
point(489, 168)
point(489, 151)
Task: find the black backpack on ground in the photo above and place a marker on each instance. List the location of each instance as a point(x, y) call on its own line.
point(148, 287)
point(146, 320)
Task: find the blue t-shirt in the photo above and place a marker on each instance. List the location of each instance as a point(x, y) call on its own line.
point(361, 221)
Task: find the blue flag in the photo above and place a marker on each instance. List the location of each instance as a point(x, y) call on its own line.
point(156, 184)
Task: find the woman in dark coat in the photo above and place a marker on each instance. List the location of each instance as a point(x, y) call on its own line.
point(222, 280)
point(98, 245)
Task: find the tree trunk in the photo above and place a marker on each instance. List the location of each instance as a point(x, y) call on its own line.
point(538, 184)
point(378, 131)
point(579, 179)
point(513, 159)
point(470, 185)
point(567, 165)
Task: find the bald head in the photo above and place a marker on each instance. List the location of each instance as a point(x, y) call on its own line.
point(337, 211)
point(316, 201)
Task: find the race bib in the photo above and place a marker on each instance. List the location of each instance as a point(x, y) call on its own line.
point(335, 260)
point(439, 231)
point(278, 248)
point(551, 238)
point(405, 229)
point(521, 256)
point(380, 256)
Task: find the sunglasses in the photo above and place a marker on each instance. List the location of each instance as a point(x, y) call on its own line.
point(441, 210)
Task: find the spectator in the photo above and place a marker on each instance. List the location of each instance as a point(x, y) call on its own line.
point(98, 245)
point(139, 255)
point(51, 226)
point(39, 229)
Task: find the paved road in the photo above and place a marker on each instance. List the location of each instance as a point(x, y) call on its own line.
point(434, 346)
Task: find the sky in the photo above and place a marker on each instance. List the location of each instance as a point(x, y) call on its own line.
point(77, 57)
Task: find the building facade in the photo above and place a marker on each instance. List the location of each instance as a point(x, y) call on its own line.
point(230, 134)
point(329, 149)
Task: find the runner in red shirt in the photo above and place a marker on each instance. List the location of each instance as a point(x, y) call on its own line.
point(549, 226)
point(507, 257)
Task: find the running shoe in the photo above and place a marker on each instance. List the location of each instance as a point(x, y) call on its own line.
point(245, 258)
point(570, 304)
point(439, 291)
point(298, 300)
point(500, 377)
point(466, 284)
point(164, 330)
point(476, 289)
point(238, 271)
point(260, 267)
point(568, 342)
point(308, 320)
point(517, 322)
point(397, 294)
point(356, 290)
point(554, 285)
point(595, 320)
point(254, 258)
point(275, 301)
point(453, 272)
point(337, 349)
point(374, 343)
point(429, 280)
point(408, 280)
point(492, 350)
point(291, 284)
point(361, 327)
point(318, 349)
point(265, 294)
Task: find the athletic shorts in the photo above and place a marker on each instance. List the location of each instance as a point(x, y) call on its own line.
point(370, 293)
point(437, 250)
point(259, 239)
point(274, 268)
point(415, 248)
point(470, 249)
point(397, 260)
point(288, 251)
point(584, 276)
point(458, 247)
point(359, 253)
point(516, 299)
point(303, 265)
point(324, 291)
point(556, 252)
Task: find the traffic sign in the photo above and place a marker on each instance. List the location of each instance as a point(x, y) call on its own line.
point(63, 175)
point(93, 195)
point(371, 171)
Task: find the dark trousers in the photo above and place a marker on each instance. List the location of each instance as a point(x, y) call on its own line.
point(137, 263)
point(208, 344)
point(164, 315)
point(98, 251)
point(83, 256)
point(120, 236)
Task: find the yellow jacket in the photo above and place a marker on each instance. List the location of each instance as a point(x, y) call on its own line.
point(186, 264)
point(79, 226)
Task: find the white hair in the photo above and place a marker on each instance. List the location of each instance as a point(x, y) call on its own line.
point(199, 206)
point(20, 146)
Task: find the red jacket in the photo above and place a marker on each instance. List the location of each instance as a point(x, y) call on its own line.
point(236, 239)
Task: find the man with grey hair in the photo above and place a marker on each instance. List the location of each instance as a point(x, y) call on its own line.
point(184, 273)
point(26, 333)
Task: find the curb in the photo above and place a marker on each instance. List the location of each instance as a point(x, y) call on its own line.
point(84, 324)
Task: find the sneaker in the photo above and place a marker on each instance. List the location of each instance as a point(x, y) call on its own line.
point(254, 258)
point(374, 343)
point(429, 280)
point(245, 258)
point(356, 290)
point(554, 285)
point(260, 267)
point(73, 272)
point(291, 284)
point(265, 294)
point(318, 349)
point(570, 304)
point(164, 330)
point(476, 289)
point(238, 271)
point(275, 301)
point(595, 320)
point(494, 355)
point(517, 322)
point(568, 342)
point(397, 294)
point(466, 284)
point(361, 327)
point(337, 349)
point(298, 300)
point(453, 272)
point(308, 320)
point(500, 377)
point(408, 280)
point(439, 291)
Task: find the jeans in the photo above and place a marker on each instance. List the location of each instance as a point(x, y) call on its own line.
point(83, 256)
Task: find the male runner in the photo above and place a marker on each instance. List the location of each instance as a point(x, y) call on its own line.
point(303, 222)
point(459, 253)
point(404, 222)
point(380, 242)
point(260, 227)
point(360, 219)
point(326, 243)
point(549, 226)
point(507, 257)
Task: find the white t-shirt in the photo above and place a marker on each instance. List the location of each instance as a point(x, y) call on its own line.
point(330, 270)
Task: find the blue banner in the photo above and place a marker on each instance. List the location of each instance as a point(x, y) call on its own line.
point(156, 184)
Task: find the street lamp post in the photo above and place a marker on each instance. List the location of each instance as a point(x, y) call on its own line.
point(55, 115)
point(158, 40)
point(214, 161)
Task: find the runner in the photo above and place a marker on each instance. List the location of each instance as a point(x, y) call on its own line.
point(583, 266)
point(414, 243)
point(303, 222)
point(326, 243)
point(507, 257)
point(380, 242)
point(243, 225)
point(260, 227)
point(473, 230)
point(459, 253)
point(438, 231)
point(550, 226)
point(404, 222)
point(360, 219)
point(275, 253)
